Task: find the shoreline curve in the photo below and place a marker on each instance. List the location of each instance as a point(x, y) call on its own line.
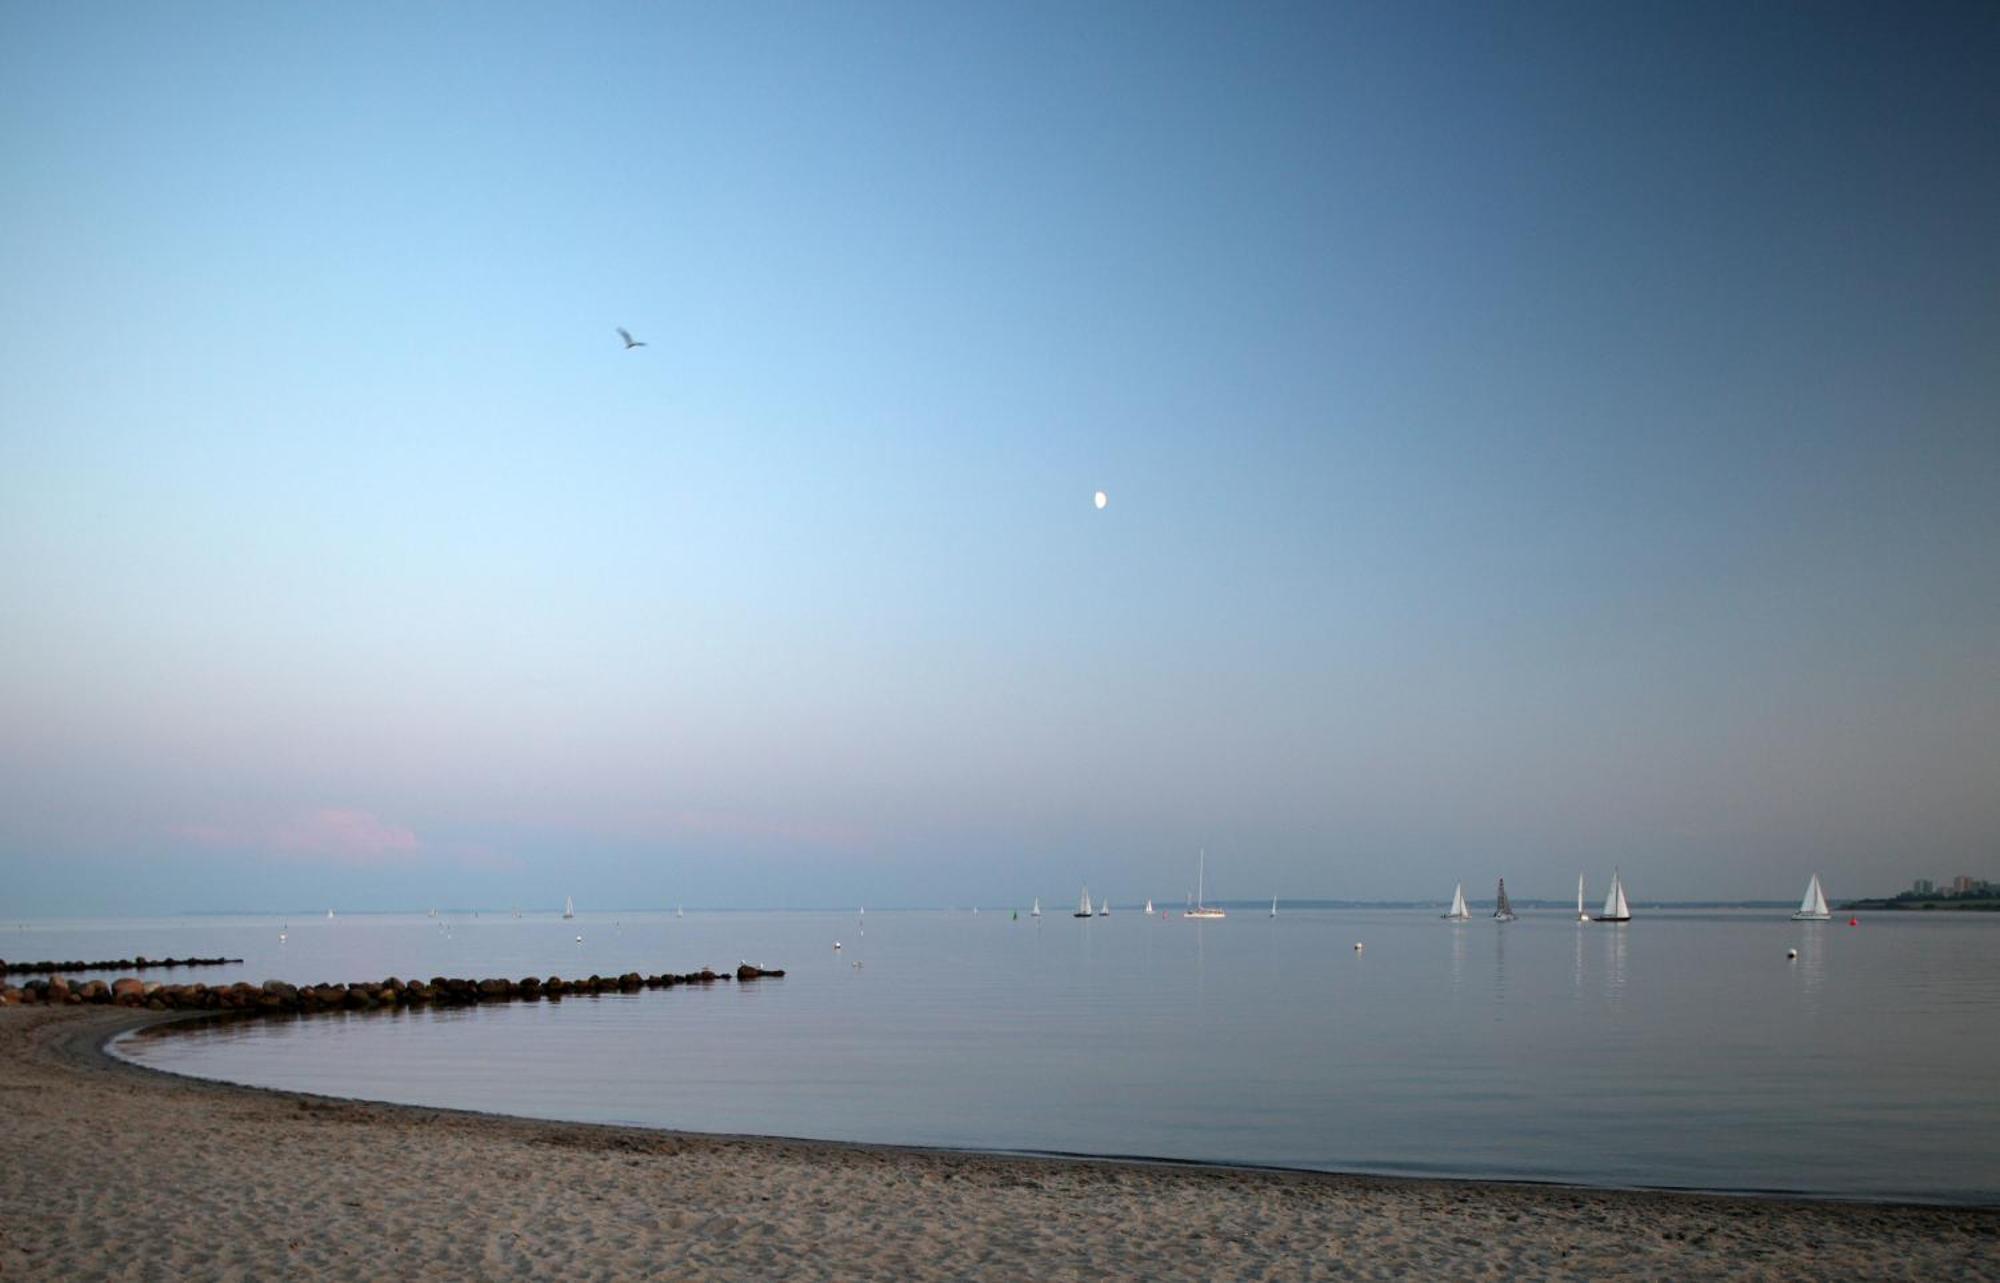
point(107, 1165)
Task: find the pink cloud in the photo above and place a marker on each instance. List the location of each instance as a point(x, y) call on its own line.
point(347, 837)
point(334, 835)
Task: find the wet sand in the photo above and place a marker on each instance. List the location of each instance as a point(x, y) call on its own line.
point(110, 1171)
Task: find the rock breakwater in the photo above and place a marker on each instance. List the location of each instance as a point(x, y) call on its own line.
point(280, 997)
point(140, 963)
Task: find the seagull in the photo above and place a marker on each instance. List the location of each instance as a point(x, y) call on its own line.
point(630, 342)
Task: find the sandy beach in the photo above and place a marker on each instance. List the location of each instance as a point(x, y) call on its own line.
point(109, 1171)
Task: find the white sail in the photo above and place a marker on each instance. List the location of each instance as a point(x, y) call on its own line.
point(1201, 908)
point(1582, 915)
point(1149, 908)
point(569, 907)
point(1036, 912)
point(1503, 908)
point(1459, 913)
point(1274, 906)
point(1104, 910)
point(1813, 907)
point(1083, 909)
point(1615, 908)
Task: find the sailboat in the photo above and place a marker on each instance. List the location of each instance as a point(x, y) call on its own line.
point(1274, 906)
point(1459, 913)
point(1813, 907)
point(1503, 908)
point(1615, 908)
point(1149, 906)
point(1036, 912)
point(569, 908)
point(1201, 909)
point(1083, 909)
point(1104, 910)
point(678, 913)
point(1582, 914)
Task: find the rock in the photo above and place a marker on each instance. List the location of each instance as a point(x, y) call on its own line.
point(128, 991)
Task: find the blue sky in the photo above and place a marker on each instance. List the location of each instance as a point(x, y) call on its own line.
point(1538, 438)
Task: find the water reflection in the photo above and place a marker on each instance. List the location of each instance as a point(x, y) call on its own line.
point(1811, 967)
point(1330, 1058)
point(1614, 964)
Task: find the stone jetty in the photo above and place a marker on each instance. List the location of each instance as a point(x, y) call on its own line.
point(275, 997)
point(140, 963)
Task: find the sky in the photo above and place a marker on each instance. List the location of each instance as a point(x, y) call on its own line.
point(1538, 439)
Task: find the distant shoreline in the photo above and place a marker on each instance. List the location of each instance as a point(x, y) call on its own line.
point(1925, 906)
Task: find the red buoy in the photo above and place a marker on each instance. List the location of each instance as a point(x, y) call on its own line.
point(1854, 922)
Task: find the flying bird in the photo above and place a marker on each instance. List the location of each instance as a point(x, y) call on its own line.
point(630, 342)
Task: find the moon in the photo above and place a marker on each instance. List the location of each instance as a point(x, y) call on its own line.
point(1101, 500)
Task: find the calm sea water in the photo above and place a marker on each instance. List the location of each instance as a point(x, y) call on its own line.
point(1682, 1050)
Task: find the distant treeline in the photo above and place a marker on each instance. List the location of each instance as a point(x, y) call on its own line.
point(1969, 902)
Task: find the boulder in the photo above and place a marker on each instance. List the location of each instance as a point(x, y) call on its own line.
point(128, 991)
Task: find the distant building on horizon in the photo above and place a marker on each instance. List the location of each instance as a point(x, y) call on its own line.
point(1923, 886)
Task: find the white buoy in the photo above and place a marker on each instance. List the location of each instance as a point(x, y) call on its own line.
point(836, 944)
point(579, 939)
point(1793, 954)
point(1357, 946)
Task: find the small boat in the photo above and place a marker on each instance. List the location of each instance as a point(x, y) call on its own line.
point(1083, 909)
point(1615, 909)
point(1200, 909)
point(329, 913)
point(569, 908)
point(1582, 914)
point(1274, 906)
point(1503, 908)
point(1149, 907)
point(1459, 913)
point(1813, 907)
point(678, 913)
point(1104, 910)
point(1036, 912)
